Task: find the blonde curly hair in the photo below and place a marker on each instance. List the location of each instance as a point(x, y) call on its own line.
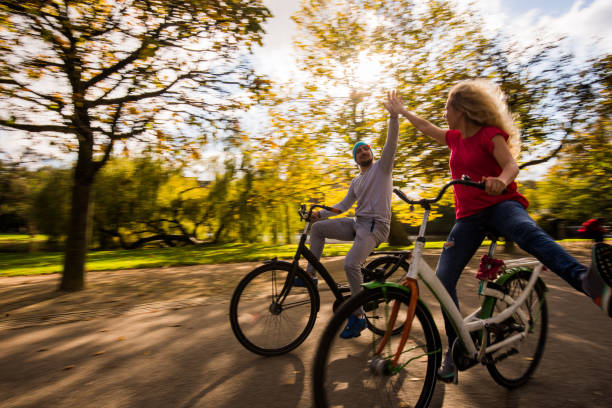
point(484, 103)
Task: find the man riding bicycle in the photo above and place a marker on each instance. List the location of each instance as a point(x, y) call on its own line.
point(372, 189)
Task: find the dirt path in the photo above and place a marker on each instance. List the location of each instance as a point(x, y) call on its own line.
point(33, 300)
point(161, 338)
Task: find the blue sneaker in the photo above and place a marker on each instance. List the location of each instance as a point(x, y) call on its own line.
point(354, 327)
point(299, 283)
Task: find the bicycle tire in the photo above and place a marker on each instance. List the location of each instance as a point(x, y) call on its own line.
point(260, 323)
point(343, 374)
point(513, 366)
point(386, 263)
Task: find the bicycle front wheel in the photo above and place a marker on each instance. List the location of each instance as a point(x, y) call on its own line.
point(513, 365)
point(350, 373)
point(382, 268)
point(270, 316)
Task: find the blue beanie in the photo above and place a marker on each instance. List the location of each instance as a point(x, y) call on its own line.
point(357, 145)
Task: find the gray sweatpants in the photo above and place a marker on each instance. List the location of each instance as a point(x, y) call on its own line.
point(367, 235)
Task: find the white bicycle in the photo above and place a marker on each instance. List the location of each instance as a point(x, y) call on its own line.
point(507, 333)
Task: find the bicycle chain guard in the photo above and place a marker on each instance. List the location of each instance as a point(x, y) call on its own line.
point(489, 268)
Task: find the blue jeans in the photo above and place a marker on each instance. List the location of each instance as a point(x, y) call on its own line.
point(508, 219)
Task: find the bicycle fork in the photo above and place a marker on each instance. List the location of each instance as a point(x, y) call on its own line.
point(411, 284)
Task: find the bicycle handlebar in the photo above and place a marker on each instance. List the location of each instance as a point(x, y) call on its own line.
point(305, 215)
point(425, 202)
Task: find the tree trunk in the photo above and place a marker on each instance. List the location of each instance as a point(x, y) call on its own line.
point(77, 241)
point(73, 278)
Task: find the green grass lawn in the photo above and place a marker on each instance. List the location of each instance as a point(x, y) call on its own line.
point(39, 263)
point(21, 238)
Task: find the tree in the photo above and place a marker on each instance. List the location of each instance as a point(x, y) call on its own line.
point(96, 75)
point(127, 204)
point(14, 192)
point(50, 204)
point(422, 49)
point(578, 186)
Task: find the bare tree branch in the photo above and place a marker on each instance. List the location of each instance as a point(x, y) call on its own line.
point(543, 159)
point(37, 128)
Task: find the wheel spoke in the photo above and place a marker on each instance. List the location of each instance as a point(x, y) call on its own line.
point(512, 366)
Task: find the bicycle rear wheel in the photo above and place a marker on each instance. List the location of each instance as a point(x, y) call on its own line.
point(270, 316)
point(349, 373)
point(512, 366)
point(384, 264)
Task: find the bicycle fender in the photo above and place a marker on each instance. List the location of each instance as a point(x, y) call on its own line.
point(487, 304)
point(376, 285)
point(273, 261)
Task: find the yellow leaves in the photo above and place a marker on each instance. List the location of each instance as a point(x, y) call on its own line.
point(149, 51)
point(194, 154)
point(109, 57)
point(406, 215)
point(33, 73)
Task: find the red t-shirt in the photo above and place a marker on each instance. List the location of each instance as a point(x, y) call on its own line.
point(473, 156)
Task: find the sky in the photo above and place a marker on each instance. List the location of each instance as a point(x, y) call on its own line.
point(582, 21)
point(586, 23)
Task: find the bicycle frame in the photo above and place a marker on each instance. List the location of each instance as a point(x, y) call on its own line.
point(419, 269)
point(302, 250)
point(465, 326)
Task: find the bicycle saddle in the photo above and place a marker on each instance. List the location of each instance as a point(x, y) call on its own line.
point(492, 235)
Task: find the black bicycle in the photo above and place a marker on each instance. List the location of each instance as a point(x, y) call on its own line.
point(270, 315)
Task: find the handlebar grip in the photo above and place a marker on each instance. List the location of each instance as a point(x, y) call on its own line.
point(330, 209)
point(478, 184)
point(482, 185)
point(400, 194)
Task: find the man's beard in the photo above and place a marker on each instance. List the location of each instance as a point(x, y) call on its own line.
point(366, 163)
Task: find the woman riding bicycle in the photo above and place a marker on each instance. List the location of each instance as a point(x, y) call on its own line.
point(484, 142)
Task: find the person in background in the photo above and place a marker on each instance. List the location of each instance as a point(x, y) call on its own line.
point(593, 229)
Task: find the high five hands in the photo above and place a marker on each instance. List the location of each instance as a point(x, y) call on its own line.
point(394, 103)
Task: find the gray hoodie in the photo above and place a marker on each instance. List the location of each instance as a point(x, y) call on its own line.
point(373, 188)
